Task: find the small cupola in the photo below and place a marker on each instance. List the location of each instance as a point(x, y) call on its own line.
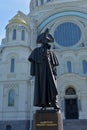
point(17, 29)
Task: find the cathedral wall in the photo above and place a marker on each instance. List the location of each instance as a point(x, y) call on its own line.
point(79, 84)
point(16, 81)
point(20, 109)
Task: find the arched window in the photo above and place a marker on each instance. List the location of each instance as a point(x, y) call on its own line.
point(12, 67)
point(14, 34)
point(11, 98)
point(23, 35)
point(69, 67)
point(48, 0)
point(42, 2)
point(70, 91)
point(8, 127)
point(84, 66)
point(36, 2)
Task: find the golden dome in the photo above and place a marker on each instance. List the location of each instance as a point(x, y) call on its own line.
point(18, 19)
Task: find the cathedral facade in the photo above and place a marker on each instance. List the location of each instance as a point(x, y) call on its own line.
point(67, 22)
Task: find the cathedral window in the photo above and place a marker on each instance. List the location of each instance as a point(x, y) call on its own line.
point(84, 67)
point(36, 2)
point(14, 34)
point(12, 67)
point(67, 34)
point(23, 35)
point(70, 91)
point(48, 0)
point(11, 98)
point(8, 127)
point(42, 2)
point(69, 67)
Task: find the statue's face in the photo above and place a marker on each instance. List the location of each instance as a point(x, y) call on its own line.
point(49, 38)
point(45, 38)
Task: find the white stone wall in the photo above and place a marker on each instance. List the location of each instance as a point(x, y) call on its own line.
point(18, 81)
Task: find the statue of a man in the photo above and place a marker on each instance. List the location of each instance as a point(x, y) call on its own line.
point(43, 67)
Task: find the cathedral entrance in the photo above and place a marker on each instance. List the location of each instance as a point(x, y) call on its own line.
point(71, 109)
point(71, 104)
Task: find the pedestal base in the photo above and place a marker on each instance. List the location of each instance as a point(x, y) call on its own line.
point(48, 120)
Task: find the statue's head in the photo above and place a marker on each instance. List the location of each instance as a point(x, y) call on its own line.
point(45, 37)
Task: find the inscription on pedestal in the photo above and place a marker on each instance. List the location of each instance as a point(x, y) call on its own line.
point(46, 123)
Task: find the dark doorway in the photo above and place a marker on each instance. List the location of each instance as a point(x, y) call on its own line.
point(71, 109)
point(8, 127)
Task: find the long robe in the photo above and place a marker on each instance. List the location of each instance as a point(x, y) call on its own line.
point(43, 67)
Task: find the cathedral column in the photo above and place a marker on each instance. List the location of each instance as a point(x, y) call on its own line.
point(61, 103)
point(31, 100)
point(33, 37)
point(79, 104)
point(85, 36)
point(39, 2)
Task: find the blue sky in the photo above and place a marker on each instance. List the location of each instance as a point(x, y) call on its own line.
point(8, 9)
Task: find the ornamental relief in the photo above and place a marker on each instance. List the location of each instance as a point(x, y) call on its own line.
point(7, 87)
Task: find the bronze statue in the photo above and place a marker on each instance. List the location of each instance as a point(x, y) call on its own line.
point(43, 67)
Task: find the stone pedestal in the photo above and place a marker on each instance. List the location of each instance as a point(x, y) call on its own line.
point(47, 120)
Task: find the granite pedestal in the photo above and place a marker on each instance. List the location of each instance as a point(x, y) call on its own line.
point(47, 120)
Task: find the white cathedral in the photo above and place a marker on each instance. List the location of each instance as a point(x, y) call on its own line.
point(67, 21)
